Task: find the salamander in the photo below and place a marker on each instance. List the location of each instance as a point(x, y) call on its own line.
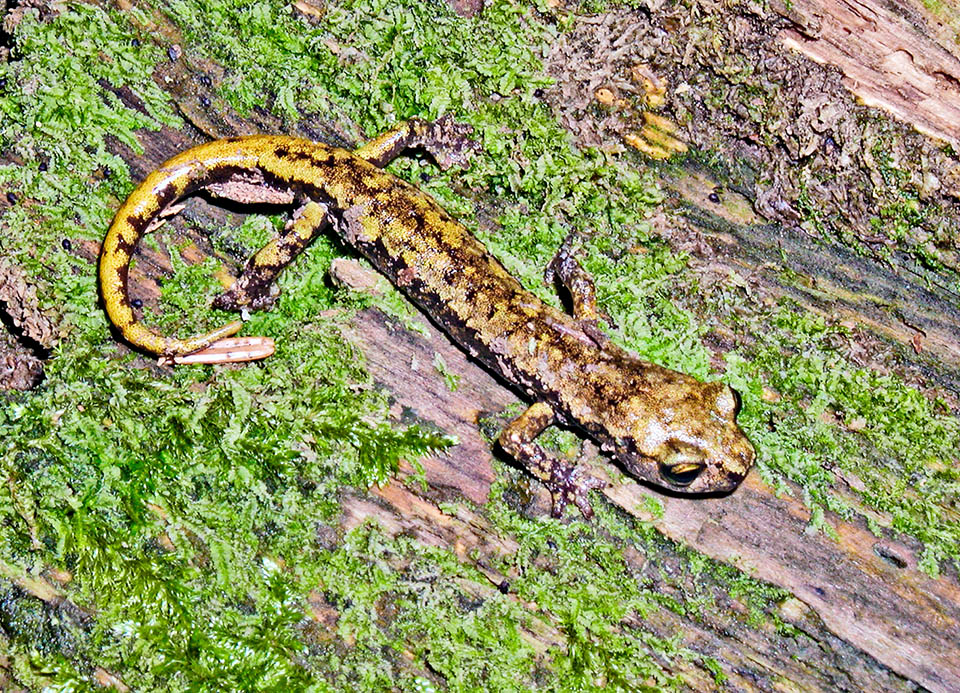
point(664, 427)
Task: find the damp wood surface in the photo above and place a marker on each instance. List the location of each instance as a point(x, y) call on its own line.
point(879, 622)
point(903, 58)
point(886, 54)
point(865, 616)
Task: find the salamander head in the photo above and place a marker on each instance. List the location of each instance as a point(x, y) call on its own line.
point(684, 437)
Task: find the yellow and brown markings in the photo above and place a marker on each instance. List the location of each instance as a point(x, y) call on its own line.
point(664, 427)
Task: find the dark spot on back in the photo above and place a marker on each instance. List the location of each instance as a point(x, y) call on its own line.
point(167, 196)
point(297, 155)
point(125, 246)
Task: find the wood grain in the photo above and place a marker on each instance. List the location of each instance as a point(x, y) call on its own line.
point(886, 60)
point(867, 590)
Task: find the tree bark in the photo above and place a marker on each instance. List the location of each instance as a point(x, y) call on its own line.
point(873, 621)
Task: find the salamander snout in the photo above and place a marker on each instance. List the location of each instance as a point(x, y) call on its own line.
point(708, 454)
point(690, 443)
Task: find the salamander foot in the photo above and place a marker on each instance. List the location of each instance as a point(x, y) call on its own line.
point(569, 483)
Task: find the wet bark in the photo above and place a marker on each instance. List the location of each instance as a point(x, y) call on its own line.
point(871, 620)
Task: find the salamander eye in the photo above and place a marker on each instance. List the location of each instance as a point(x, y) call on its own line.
point(681, 467)
point(682, 474)
point(739, 402)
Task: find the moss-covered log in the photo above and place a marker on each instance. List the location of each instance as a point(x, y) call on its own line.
point(210, 528)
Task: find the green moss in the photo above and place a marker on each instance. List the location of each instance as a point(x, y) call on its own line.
point(59, 104)
point(395, 595)
point(813, 213)
point(188, 505)
point(68, 114)
point(441, 612)
point(181, 296)
point(251, 235)
point(377, 61)
point(232, 470)
point(840, 426)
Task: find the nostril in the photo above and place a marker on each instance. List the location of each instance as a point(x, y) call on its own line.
point(682, 473)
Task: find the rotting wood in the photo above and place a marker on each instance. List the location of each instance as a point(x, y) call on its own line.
point(912, 308)
point(897, 615)
point(886, 61)
point(800, 175)
point(26, 331)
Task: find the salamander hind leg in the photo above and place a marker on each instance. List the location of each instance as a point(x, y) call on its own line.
point(565, 481)
point(447, 141)
point(254, 289)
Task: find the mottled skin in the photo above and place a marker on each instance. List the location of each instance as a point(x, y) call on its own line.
point(665, 427)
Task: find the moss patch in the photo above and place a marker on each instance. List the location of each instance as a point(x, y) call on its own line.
point(189, 512)
point(851, 437)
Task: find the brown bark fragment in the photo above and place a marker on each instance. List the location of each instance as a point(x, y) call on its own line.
point(26, 331)
point(886, 61)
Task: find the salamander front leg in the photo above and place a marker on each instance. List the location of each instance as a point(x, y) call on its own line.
point(565, 481)
point(583, 293)
point(447, 142)
point(254, 288)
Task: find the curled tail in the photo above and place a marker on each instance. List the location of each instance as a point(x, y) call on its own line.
point(178, 177)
